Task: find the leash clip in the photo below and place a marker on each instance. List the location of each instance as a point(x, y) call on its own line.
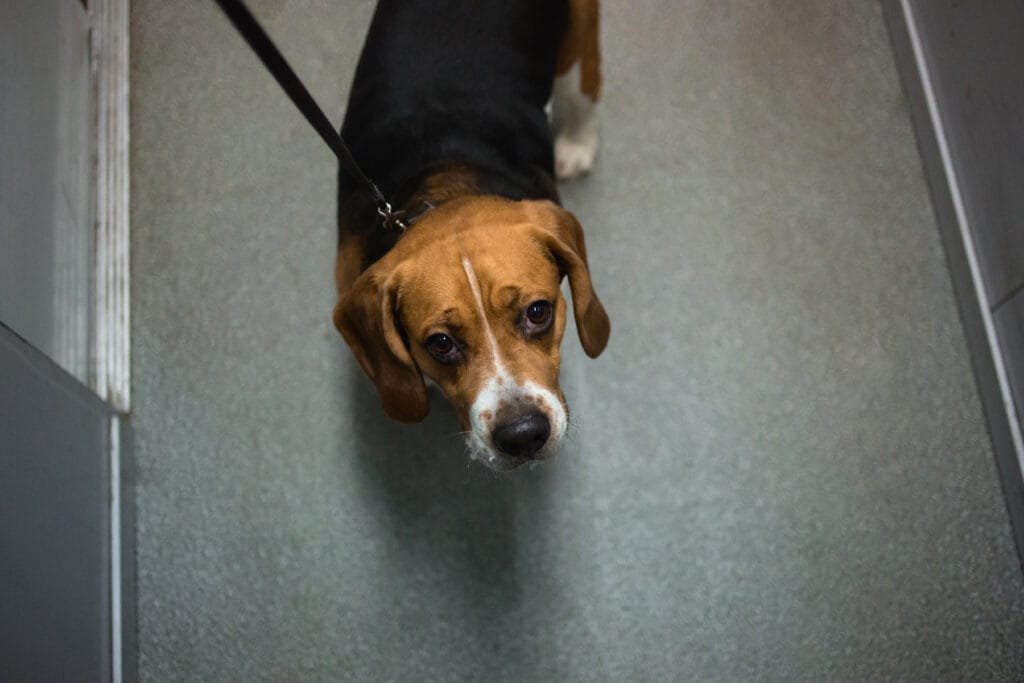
point(392, 221)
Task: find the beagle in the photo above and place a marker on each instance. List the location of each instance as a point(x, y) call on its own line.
point(447, 113)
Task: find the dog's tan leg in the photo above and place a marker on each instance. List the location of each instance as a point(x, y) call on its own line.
point(576, 91)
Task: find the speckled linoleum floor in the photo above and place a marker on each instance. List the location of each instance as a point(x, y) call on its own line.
point(779, 467)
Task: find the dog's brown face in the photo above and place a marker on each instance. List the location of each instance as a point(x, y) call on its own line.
point(470, 298)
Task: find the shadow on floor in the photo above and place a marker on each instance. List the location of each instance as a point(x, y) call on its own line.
point(451, 526)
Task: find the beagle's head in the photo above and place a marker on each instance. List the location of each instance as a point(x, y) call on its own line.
point(470, 298)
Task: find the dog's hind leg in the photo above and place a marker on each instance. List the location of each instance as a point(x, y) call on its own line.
point(576, 91)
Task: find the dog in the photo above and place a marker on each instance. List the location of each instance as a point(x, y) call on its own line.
point(448, 113)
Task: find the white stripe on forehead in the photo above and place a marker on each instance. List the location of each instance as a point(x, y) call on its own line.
point(498, 390)
point(474, 285)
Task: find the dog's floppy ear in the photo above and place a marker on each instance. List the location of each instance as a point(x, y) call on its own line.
point(564, 238)
point(366, 318)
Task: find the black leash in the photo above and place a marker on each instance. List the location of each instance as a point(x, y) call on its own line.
point(271, 57)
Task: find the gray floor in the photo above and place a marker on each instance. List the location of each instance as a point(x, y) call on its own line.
point(780, 469)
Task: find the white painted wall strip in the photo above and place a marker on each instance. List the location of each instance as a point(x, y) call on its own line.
point(965, 231)
point(110, 64)
point(116, 625)
point(112, 381)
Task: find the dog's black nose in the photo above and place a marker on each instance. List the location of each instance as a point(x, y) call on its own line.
point(522, 436)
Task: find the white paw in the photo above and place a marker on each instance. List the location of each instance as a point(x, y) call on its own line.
point(574, 120)
point(574, 156)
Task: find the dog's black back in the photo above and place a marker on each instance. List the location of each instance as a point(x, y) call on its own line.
point(444, 82)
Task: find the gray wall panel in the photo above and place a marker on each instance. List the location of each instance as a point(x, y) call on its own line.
point(948, 58)
point(54, 522)
point(975, 54)
point(46, 230)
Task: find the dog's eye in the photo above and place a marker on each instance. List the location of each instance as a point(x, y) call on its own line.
point(443, 348)
point(538, 316)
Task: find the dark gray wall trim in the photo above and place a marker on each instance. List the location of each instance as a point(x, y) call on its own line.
point(968, 281)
